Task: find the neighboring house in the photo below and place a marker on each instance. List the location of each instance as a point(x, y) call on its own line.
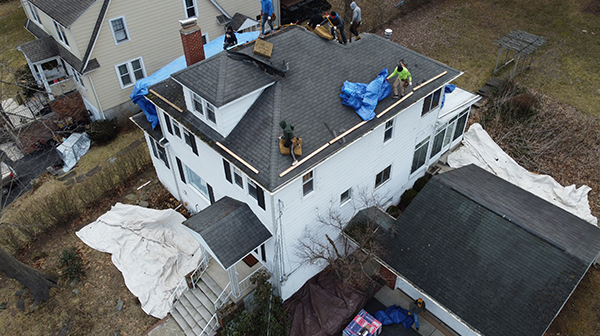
point(102, 47)
point(218, 142)
point(488, 257)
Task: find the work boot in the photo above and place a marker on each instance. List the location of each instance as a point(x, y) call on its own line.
point(357, 38)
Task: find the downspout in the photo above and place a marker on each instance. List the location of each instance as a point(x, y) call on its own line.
point(214, 2)
point(96, 96)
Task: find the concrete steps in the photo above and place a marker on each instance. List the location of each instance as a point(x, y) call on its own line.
point(194, 309)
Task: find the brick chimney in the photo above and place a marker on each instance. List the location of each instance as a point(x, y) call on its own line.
point(191, 38)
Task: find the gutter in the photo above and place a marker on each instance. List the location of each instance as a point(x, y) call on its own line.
point(214, 2)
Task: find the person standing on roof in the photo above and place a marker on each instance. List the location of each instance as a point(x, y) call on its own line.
point(356, 20)
point(230, 38)
point(266, 12)
point(315, 18)
point(403, 76)
point(337, 24)
point(289, 138)
point(416, 308)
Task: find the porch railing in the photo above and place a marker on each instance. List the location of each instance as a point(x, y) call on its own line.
point(222, 298)
point(206, 329)
point(245, 283)
point(200, 270)
point(182, 285)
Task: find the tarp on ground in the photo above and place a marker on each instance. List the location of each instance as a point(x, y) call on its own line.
point(479, 148)
point(395, 314)
point(363, 98)
point(152, 249)
point(140, 89)
point(323, 306)
point(72, 149)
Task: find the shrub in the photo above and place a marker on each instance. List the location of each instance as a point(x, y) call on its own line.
point(407, 197)
point(71, 265)
point(421, 182)
point(102, 131)
point(393, 211)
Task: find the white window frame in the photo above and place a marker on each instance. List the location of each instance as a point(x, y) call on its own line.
point(348, 197)
point(424, 143)
point(191, 176)
point(186, 7)
point(252, 189)
point(428, 102)
point(112, 29)
point(206, 108)
point(237, 173)
point(160, 153)
point(382, 173)
point(389, 130)
point(197, 102)
point(34, 13)
point(130, 71)
point(60, 32)
point(308, 179)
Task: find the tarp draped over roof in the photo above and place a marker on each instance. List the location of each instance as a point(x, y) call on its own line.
point(152, 249)
point(140, 89)
point(363, 98)
point(480, 149)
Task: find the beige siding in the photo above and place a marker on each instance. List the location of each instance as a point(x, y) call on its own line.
point(82, 28)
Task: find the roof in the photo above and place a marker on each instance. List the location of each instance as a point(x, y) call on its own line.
point(230, 229)
point(238, 22)
point(307, 97)
point(497, 256)
point(64, 12)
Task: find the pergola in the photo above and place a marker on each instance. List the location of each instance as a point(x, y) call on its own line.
point(522, 46)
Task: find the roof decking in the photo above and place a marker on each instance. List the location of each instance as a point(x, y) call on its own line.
point(307, 97)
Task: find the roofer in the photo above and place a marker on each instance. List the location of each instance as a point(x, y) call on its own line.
point(356, 20)
point(403, 75)
point(230, 38)
point(315, 18)
point(337, 24)
point(289, 138)
point(416, 308)
point(266, 13)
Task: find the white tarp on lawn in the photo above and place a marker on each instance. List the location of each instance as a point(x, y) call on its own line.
point(479, 148)
point(72, 149)
point(152, 249)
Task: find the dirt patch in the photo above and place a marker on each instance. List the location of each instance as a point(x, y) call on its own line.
point(88, 307)
point(593, 7)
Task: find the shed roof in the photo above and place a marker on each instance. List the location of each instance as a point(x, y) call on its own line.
point(497, 256)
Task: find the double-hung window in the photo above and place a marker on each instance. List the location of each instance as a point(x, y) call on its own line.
point(252, 189)
point(60, 32)
point(119, 30)
point(438, 141)
point(34, 13)
point(190, 8)
point(130, 72)
point(383, 176)
point(460, 124)
point(159, 152)
point(198, 106)
point(203, 108)
point(190, 139)
point(197, 182)
point(307, 183)
point(389, 129)
point(210, 112)
point(238, 177)
point(420, 155)
point(432, 101)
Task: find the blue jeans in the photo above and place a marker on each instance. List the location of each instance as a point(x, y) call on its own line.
point(416, 320)
point(264, 20)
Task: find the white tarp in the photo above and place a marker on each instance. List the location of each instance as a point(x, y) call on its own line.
point(72, 149)
point(479, 148)
point(152, 249)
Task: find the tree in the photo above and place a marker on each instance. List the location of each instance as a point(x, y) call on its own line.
point(39, 283)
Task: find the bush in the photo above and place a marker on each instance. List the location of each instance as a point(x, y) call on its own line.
point(421, 182)
point(102, 131)
point(407, 197)
point(393, 211)
point(71, 265)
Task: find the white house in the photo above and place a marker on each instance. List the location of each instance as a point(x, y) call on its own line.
point(217, 147)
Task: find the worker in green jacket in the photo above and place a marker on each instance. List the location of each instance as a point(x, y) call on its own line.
point(403, 76)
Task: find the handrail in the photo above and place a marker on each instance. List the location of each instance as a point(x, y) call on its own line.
point(179, 290)
point(208, 324)
point(202, 266)
point(222, 299)
point(175, 295)
point(245, 283)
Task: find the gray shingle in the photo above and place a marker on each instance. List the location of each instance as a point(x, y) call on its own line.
point(230, 229)
point(47, 47)
point(64, 12)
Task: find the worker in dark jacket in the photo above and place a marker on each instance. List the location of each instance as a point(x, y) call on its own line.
point(416, 308)
point(289, 138)
point(337, 25)
point(315, 18)
point(230, 38)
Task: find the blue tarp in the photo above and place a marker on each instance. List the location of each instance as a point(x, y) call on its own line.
point(363, 98)
point(395, 314)
point(447, 89)
point(140, 89)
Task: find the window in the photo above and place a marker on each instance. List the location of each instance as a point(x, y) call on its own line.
point(238, 177)
point(34, 13)
point(420, 155)
point(119, 30)
point(450, 131)
point(176, 129)
point(168, 123)
point(210, 112)
point(252, 189)
point(190, 8)
point(130, 72)
point(307, 184)
point(345, 196)
point(460, 124)
point(383, 176)
point(257, 192)
point(438, 141)
point(159, 152)
point(389, 128)
point(60, 33)
point(190, 139)
point(197, 182)
point(76, 76)
point(198, 104)
point(202, 108)
point(431, 102)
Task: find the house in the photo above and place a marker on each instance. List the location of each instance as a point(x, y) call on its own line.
point(217, 146)
point(102, 47)
point(488, 257)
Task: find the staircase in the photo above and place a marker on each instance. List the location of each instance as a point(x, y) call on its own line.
point(195, 310)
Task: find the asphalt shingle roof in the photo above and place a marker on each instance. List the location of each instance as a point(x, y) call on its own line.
point(230, 229)
point(500, 258)
point(307, 97)
point(64, 12)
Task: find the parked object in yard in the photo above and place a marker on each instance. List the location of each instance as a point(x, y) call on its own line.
point(9, 176)
point(73, 149)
